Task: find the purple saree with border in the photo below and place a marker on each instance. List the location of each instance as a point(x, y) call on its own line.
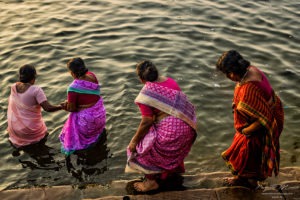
point(168, 141)
point(84, 127)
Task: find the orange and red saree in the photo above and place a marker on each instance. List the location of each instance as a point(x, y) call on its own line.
point(255, 156)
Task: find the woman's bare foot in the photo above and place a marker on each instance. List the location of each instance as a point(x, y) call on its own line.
point(146, 185)
point(236, 181)
point(233, 181)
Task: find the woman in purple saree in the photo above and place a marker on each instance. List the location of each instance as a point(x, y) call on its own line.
point(166, 132)
point(86, 121)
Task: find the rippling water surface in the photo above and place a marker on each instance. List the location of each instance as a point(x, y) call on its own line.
point(183, 38)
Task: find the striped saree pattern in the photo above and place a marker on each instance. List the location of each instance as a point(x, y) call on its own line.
point(256, 156)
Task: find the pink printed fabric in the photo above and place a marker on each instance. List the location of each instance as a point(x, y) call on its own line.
point(164, 147)
point(169, 141)
point(25, 123)
point(83, 128)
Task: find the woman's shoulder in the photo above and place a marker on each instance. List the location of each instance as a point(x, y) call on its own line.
point(168, 78)
point(22, 88)
point(172, 83)
point(256, 72)
point(249, 87)
point(35, 87)
point(91, 77)
point(36, 90)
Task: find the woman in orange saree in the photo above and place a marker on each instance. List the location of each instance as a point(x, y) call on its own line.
point(258, 121)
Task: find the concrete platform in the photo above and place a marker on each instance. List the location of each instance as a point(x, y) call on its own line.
point(200, 186)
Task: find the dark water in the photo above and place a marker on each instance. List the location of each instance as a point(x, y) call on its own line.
point(183, 38)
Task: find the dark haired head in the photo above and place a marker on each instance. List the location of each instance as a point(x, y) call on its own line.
point(232, 62)
point(27, 73)
point(77, 66)
point(147, 71)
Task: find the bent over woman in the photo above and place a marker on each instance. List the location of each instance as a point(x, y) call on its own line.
point(166, 132)
point(87, 119)
point(258, 121)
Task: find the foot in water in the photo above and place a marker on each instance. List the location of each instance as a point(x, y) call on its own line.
point(146, 186)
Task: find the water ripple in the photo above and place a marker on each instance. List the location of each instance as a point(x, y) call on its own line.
point(183, 38)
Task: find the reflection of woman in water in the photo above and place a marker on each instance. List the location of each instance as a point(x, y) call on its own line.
point(42, 155)
point(88, 162)
point(24, 117)
point(86, 121)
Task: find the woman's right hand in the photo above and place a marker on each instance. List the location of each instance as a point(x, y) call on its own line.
point(132, 146)
point(64, 105)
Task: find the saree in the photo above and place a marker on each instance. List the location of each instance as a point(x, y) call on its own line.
point(255, 156)
point(25, 123)
point(168, 141)
point(83, 128)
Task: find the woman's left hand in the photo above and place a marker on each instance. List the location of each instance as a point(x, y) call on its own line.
point(245, 132)
point(132, 146)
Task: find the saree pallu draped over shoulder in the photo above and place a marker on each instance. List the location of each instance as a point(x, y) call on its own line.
point(25, 123)
point(168, 141)
point(255, 156)
point(83, 128)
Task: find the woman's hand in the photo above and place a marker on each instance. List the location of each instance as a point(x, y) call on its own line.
point(143, 129)
point(71, 107)
point(132, 146)
point(245, 132)
point(249, 130)
point(64, 105)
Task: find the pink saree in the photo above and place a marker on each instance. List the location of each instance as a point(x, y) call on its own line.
point(83, 128)
point(25, 123)
point(168, 141)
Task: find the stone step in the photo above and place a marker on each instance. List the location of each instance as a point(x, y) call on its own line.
point(200, 186)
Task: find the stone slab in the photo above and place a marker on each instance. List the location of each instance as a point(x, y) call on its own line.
point(201, 186)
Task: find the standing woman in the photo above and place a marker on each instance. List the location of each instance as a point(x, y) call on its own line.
point(166, 132)
point(258, 121)
point(25, 122)
point(87, 119)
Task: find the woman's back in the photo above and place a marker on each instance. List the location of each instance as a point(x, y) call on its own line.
point(33, 96)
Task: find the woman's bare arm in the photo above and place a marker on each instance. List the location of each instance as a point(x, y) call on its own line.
point(49, 107)
point(142, 130)
point(252, 128)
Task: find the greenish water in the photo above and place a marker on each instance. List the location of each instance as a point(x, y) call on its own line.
point(183, 38)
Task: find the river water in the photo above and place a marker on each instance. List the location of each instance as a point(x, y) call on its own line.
point(183, 38)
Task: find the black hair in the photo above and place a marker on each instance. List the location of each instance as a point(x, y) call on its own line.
point(147, 71)
point(27, 73)
point(232, 61)
point(77, 66)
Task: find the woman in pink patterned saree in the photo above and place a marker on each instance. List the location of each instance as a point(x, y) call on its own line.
point(87, 119)
point(166, 132)
point(25, 123)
